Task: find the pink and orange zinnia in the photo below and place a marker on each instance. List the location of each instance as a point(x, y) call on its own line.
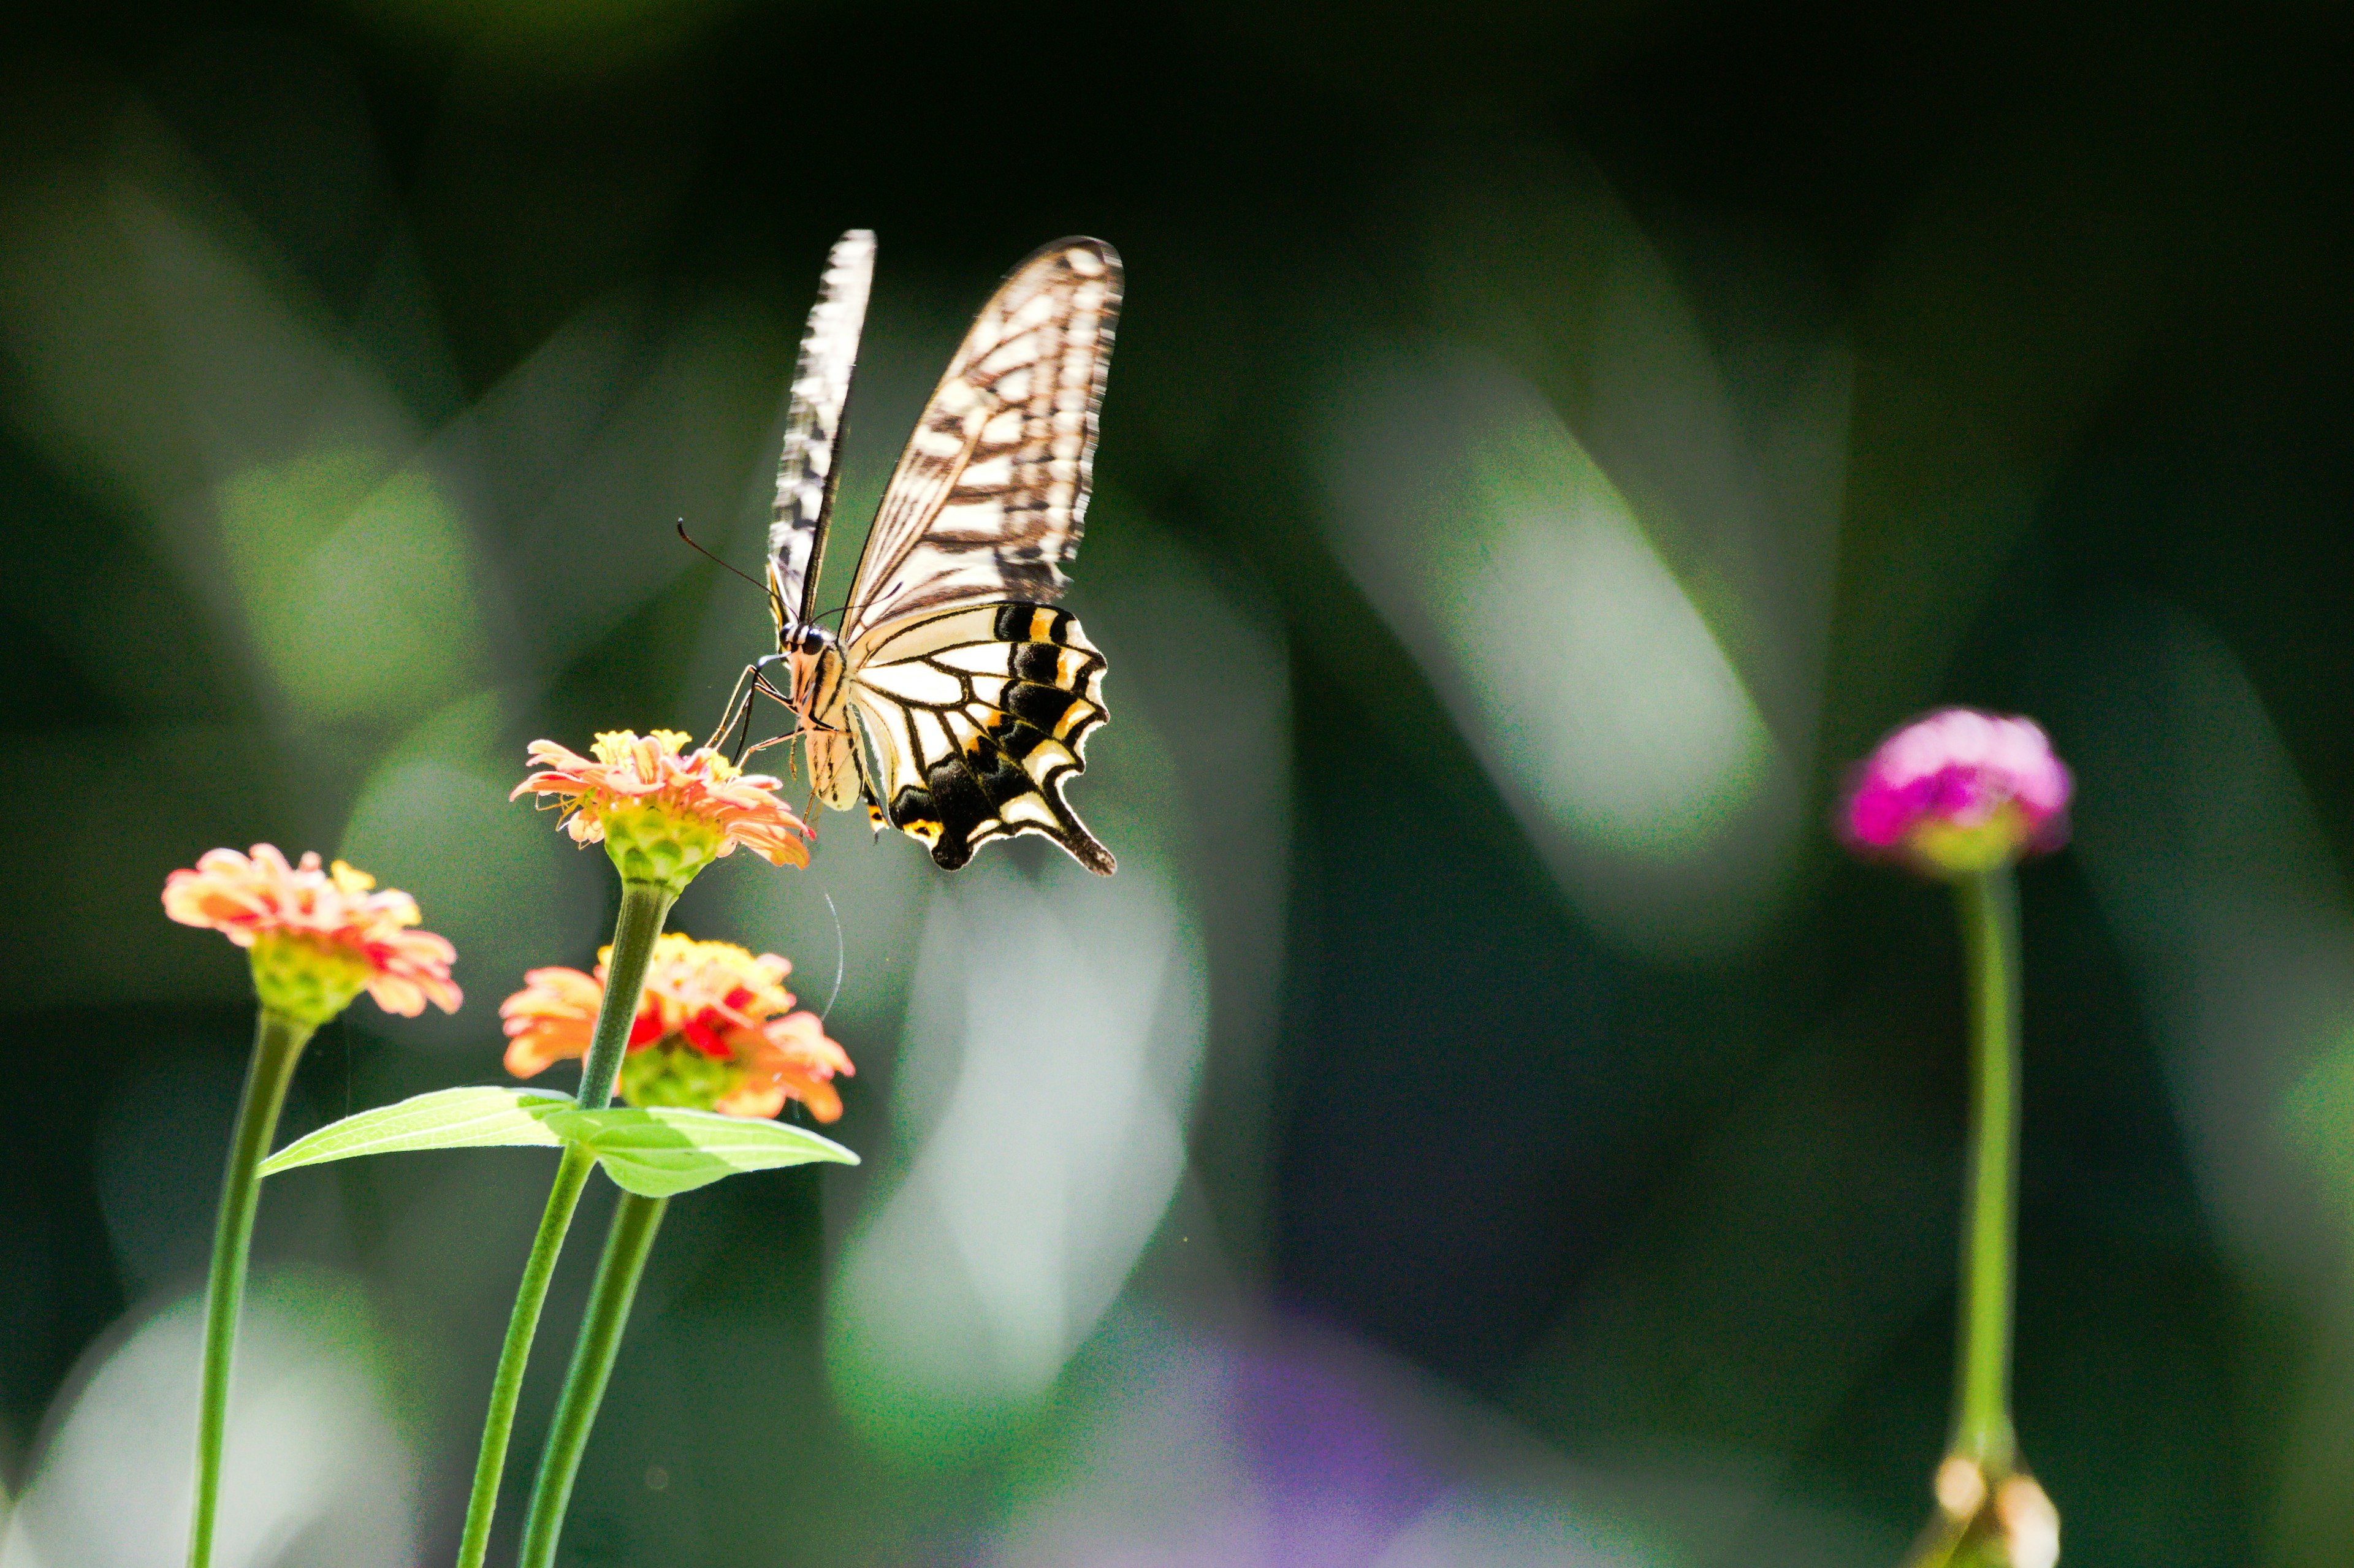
point(716, 1029)
point(318, 935)
point(664, 813)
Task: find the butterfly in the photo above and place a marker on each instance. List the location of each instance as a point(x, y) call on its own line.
point(955, 700)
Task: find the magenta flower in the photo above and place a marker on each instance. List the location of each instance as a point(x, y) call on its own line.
point(1958, 791)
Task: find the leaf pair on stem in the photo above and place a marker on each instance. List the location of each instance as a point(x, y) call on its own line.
point(655, 1152)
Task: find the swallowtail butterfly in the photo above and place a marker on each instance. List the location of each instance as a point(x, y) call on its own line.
point(956, 700)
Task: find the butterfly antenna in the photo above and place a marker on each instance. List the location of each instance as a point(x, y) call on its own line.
point(707, 555)
point(841, 955)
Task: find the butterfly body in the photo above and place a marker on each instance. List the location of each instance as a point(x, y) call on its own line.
point(957, 699)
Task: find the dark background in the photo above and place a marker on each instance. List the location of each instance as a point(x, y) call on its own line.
point(1522, 1222)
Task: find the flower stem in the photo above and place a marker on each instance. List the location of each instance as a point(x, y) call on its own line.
point(1988, 907)
point(645, 907)
point(523, 1324)
point(635, 1221)
point(278, 1042)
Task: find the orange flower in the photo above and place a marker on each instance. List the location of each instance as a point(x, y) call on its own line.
point(662, 815)
point(714, 1029)
point(318, 936)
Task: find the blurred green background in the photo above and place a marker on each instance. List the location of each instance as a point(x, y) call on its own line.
point(1485, 1121)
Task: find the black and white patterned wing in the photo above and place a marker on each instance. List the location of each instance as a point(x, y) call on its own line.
point(807, 471)
point(987, 501)
point(970, 722)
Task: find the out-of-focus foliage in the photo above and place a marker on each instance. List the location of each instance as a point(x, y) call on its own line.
point(1483, 1122)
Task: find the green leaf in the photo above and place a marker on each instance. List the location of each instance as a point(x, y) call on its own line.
point(657, 1151)
point(445, 1118)
point(652, 1152)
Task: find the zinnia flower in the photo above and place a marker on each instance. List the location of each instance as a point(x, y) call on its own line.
point(1959, 791)
point(664, 815)
point(714, 1030)
point(318, 936)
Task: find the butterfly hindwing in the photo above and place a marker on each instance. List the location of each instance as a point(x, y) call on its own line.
point(989, 498)
point(807, 469)
point(971, 722)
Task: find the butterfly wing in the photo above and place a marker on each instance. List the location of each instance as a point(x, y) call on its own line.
point(970, 723)
point(970, 698)
point(987, 501)
point(807, 472)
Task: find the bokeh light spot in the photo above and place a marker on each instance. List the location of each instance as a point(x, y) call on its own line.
point(358, 589)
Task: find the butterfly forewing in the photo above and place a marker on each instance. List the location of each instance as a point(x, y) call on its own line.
point(987, 501)
point(807, 472)
point(971, 722)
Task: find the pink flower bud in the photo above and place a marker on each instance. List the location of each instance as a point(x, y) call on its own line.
point(1958, 791)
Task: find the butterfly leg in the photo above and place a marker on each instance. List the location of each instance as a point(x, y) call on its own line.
point(744, 736)
point(750, 686)
point(752, 683)
point(736, 699)
point(761, 686)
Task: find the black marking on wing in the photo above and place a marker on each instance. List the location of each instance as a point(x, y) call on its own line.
point(1018, 691)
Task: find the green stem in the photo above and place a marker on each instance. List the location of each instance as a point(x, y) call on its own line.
point(645, 908)
point(523, 1324)
point(635, 1221)
point(1988, 907)
point(278, 1042)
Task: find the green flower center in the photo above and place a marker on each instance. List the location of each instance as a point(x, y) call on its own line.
point(649, 843)
point(1954, 849)
point(670, 1072)
point(304, 978)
